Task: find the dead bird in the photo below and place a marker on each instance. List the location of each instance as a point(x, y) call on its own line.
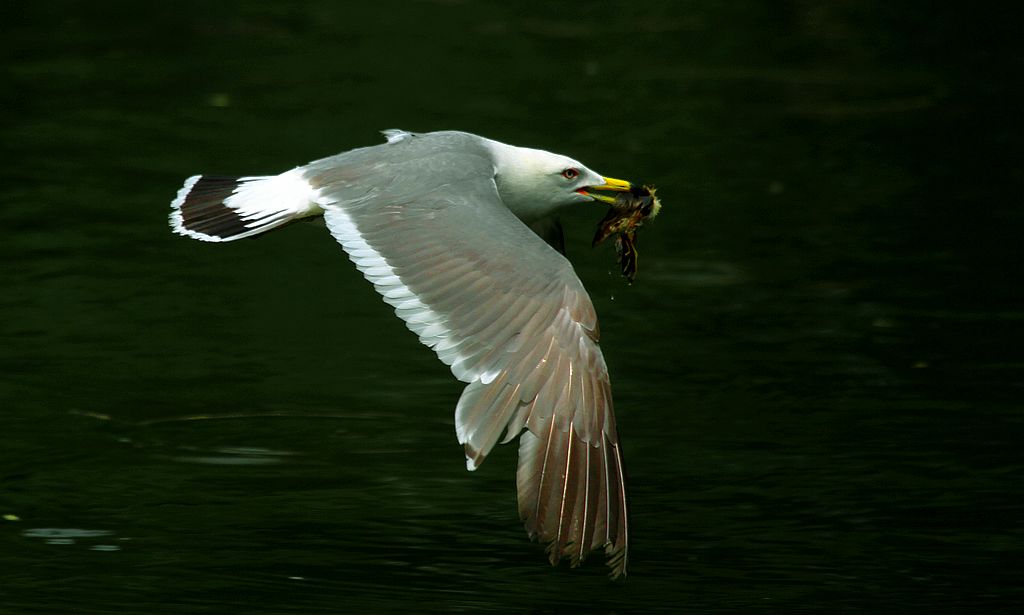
point(628, 212)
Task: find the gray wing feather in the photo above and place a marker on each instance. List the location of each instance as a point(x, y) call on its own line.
point(506, 312)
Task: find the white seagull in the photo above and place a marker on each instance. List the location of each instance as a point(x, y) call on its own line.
point(457, 232)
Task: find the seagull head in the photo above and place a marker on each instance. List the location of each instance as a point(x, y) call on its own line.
point(534, 183)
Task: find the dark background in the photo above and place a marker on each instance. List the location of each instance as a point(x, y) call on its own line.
point(818, 373)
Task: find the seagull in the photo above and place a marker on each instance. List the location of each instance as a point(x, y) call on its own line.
point(458, 234)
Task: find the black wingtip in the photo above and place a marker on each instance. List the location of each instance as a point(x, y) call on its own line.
point(199, 210)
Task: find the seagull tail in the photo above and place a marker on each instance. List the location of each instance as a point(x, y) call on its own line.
point(215, 208)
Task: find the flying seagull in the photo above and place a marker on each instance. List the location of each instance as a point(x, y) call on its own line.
point(457, 233)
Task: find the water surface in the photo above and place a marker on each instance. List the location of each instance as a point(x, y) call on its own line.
point(818, 373)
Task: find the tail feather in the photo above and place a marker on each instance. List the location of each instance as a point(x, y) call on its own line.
point(212, 208)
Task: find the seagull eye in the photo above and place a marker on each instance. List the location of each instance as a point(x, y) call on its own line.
point(571, 173)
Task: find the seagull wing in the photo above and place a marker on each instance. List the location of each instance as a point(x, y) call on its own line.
point(507, 312)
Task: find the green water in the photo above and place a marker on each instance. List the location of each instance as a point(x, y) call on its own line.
point(818, 374)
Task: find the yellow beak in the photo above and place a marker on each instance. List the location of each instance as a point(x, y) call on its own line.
point(614, 185)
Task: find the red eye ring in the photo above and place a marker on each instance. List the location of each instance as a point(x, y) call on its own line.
point(571, 173)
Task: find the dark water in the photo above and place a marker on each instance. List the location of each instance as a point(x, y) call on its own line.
point(818, 374)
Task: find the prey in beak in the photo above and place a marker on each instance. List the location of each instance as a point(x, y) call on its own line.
point(630, 208)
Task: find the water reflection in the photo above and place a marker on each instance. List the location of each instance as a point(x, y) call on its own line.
point(242, 455)
point(70, 536)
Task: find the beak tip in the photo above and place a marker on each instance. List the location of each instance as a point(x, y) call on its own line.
point(617, 185)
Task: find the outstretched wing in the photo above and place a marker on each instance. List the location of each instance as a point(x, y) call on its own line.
point(508, 314)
